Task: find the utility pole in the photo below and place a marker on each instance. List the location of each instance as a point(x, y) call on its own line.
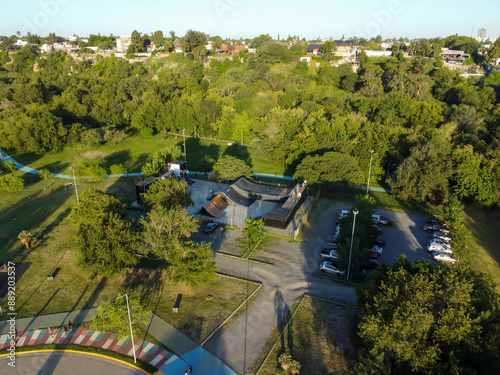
point(74, 181)
point(257, 140)
point(355, 212)
point(185, 153)
point(369, 172)
point(130, 323)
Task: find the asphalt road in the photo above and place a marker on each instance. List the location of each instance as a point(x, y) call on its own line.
point(62, 363)
point(240, 343)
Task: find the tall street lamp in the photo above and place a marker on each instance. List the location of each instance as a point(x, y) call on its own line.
point(355, 212)
point(369, 172)
point(129, 322)
point(257, 140)
point(185, 153)
point(74, 181)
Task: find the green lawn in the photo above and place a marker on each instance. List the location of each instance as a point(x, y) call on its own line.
point(135, 150)
point(321, 336)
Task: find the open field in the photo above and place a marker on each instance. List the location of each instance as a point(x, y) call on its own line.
point(321, 336)
point(135, 150)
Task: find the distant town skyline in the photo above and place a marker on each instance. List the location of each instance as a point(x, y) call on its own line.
point(247, 19)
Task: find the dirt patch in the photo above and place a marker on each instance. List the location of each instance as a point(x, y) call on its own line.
point(93, 154)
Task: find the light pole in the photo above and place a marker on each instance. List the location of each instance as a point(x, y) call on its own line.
point(129, 322)
point(369, 172)
point(257, 140)
point(185, 153)
point(355, 212)
point(74, 181)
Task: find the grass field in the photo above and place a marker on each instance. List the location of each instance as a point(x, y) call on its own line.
point(321, 336)
point(135, 150)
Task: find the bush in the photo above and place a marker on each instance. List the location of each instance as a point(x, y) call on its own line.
point(147, 132)
point(11, 183)
point(44, 173)
point(92, 137)
point(93, 168)
point(117, 169)
point(8, 166)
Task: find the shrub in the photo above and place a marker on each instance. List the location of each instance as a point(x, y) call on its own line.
point(117, 169)
point(44, 173)
point(11, 183)
point(147, 132)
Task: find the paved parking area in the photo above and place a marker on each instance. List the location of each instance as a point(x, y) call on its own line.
point(405, 236)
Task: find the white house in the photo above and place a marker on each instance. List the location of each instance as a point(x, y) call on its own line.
point(372, 53)
point(123, 42)
point(306, 59)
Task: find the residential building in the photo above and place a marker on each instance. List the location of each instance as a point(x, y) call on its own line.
point(453, 56)
point(123, 42)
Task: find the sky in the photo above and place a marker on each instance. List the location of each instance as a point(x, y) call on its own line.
point(250, 18)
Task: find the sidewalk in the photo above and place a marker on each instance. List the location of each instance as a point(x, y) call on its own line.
point(183, 351)
point(147, 352)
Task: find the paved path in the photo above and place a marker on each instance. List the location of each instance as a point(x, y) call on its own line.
point(144, 351)
point(184, 352)
point(64, 363)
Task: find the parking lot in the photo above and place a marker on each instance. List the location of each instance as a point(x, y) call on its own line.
point(404, 236)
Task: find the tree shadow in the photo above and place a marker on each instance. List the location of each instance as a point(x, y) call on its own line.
point(239, 152)
point(95, 294)
point(44, 233)
point(197, 153)
point(55, 167)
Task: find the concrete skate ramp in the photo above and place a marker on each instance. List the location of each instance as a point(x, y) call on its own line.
point(189, 180)
point(215, 207)
point(254, 191)
point(233, 197)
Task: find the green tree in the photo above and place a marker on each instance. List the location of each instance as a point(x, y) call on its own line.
point(200, 53)
point(194, 264)
point(327, 48)
point(253, 232)
point(329, 168)
point(229, 168)
point(164, 229)
point(424, 319)
point(158, 39)
point(167, 193)
point(193, 39)
point(424, 173)
point(114, 316)
point(11, 183)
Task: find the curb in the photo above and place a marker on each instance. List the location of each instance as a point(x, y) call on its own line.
point(246, 259)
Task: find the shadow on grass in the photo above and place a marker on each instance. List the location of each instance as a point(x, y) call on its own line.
point(56, 167)
point(196, 152)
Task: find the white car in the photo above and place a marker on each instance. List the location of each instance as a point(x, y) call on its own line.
point(438, 241)
point(377, 249)
point(440, 248)
point(443, 257)
point(441, 235)
point(328, 267)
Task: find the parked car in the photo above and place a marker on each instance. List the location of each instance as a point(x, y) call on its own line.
point(372, 255)
point(332, 239)
point(444, 257)
point(377, 249)
point(210, 227)
point(435, 240)
point(328, 267)
point(433, 220)
point(441, 235)
point(439, 248)
point(328, 254)
point(332, 246)
point(379, 220)
point(435, 228)
point(380, 241)
point(370, 264)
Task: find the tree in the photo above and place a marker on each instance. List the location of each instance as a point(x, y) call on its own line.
point(11, 183)
point(164, 229)
point(193, 39)
point(158, 39)
point(424, 319)
point(167, 193)
point(194, 263)
point(136, 43)
point(200, 53)
point(27, 238)
point(424, 174)
point(114, 316)
point(329, 168)
point(229, 168)
point(253, 232)
point(114, 135)
point(327, 48)
point(106, 245)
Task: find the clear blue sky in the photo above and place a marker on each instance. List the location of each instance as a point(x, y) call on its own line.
point(249, 18)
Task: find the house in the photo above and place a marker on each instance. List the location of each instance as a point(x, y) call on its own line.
point(315, 49)
point(453, 55)
point(306, 59)
point(237, 48)
point(178, 50)
point(252, 50)
point(224, 48)
point(20, 43)
point(123, 42)
point(346, 48)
